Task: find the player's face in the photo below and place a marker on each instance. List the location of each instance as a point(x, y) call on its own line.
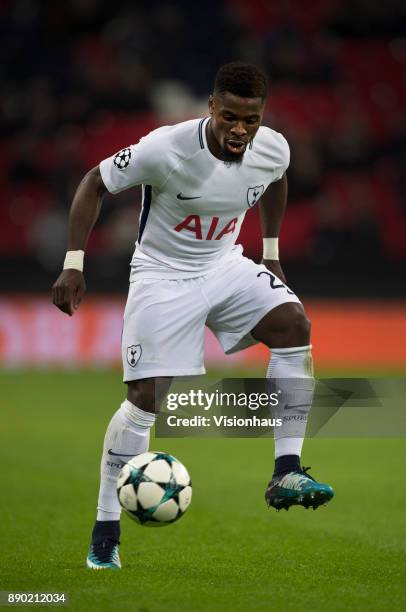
point(234, 123)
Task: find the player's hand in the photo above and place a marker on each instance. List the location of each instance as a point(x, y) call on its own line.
point(68, 290)
point(274, 266)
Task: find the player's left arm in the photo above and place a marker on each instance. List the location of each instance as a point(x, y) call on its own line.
point(272, 209)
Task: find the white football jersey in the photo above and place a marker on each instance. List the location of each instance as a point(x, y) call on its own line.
point(193, 203)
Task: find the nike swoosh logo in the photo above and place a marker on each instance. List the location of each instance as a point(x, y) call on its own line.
point(110, 452)
point(182, 197)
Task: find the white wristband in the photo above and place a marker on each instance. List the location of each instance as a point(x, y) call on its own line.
point(271, 250)
point(74, 260)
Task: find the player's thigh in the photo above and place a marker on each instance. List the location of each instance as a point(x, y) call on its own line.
point(249, 293)
point(163, 330)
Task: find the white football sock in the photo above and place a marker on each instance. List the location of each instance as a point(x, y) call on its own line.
point(127, 435)
point(296, 398)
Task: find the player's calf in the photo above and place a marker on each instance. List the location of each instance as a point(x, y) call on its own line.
point(127, 435)
point(286, 330)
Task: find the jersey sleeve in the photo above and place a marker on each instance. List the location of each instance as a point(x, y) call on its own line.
point(142, 163)
point(282, 152)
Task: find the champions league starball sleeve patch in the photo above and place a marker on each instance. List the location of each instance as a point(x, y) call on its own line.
point(122, 158)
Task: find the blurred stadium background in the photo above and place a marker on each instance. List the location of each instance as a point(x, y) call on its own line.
point(80, 80)
point(84, 78)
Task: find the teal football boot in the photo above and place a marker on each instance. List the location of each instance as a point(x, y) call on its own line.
point(104, 555)
point(297, 488)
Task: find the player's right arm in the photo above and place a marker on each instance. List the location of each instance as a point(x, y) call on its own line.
point(146, 162)
point(69, 288)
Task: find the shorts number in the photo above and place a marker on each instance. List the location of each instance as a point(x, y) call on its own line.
point(273, 281)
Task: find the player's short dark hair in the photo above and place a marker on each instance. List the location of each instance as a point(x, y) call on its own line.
point(241, 79)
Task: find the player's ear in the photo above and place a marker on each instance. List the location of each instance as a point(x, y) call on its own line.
point(211, 104)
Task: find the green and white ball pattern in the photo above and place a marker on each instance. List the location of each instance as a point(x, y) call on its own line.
point(154, 489)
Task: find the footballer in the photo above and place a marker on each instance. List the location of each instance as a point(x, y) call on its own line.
point(198, 178)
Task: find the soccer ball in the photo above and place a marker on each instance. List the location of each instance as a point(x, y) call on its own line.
point(154, 489)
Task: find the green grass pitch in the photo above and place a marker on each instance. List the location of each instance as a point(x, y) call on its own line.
point(229, 552)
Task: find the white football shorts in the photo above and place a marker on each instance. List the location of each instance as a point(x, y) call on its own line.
point(163, 331)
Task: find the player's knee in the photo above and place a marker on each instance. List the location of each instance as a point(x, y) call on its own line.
point(300, 328)
point(285, 326)
point(143, 396)
point(297, 330)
